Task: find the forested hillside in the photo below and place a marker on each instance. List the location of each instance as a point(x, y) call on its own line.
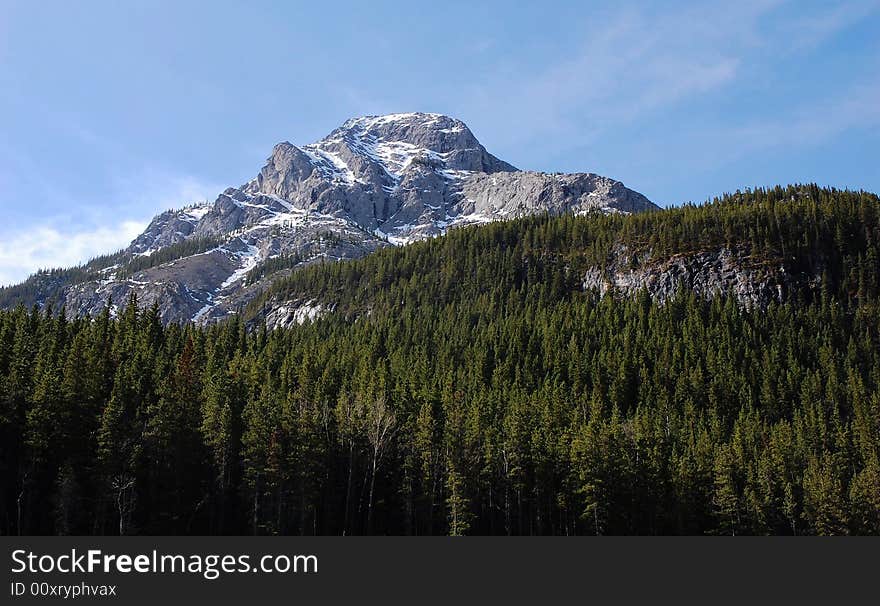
point(470, 385)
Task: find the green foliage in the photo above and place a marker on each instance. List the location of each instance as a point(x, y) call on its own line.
point(271, 266)
point(805, 229)
point(468, 385)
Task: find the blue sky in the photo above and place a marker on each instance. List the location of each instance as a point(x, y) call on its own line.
point(113, 111)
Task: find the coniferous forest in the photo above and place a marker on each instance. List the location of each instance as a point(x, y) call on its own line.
point(469, 385)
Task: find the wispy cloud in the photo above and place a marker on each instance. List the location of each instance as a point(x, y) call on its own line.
point(48, 247)
point(636, 63)
point(630, 63)
point(810, 30)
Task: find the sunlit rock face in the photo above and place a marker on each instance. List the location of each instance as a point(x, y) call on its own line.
point(374, 181)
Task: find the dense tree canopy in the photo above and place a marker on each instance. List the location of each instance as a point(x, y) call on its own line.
point(468, 385)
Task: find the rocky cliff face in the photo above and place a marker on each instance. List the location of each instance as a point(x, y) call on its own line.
point(372, 182)
point(753, 281)
point(168, 228)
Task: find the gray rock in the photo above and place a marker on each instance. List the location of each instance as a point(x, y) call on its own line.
point(373, 181)
point(730, 272)
point(524, 193)
point(168, 228)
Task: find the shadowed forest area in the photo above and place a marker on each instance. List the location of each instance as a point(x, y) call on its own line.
point(469, 385)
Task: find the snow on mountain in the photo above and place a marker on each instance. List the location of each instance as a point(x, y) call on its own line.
point(374, 181)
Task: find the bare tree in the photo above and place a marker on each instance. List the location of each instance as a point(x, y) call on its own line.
point(381, 427)
point(123, 486)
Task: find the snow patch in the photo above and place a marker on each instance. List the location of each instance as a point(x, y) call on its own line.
point(393, 157)
point(197, 211)
point(202, 312)
point(368, 122)
point(249, 260)
point(329, 164)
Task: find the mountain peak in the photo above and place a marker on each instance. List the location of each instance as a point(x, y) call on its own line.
point(373, 181)
point(410, 134)
point(406, 118)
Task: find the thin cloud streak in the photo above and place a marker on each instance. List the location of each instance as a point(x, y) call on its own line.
point(810, 31)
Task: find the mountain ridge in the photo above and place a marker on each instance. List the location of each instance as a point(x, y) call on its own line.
point(372, 182)
point(750, 248)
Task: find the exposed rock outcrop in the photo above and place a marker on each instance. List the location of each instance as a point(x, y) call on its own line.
point(752, 280)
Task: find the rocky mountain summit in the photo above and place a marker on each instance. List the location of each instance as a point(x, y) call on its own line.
point(374, 181)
